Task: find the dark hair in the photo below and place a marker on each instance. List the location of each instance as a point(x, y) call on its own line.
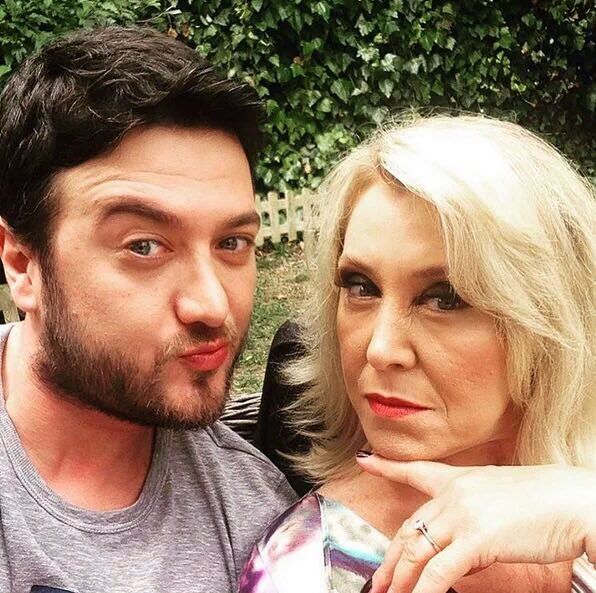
point(80, 94)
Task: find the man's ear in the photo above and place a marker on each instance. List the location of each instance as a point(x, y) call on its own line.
point(20, 268)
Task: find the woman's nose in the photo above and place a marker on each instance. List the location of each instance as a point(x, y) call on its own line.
point(391, 343)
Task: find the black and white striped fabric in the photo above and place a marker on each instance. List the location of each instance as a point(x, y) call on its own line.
point(241, 414)
point(584, 576)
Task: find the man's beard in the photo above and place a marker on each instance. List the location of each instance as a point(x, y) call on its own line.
point(85, 371)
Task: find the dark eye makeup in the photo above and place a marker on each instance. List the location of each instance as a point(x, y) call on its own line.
point(441, 295)
point(444, 295)
point(356, 283)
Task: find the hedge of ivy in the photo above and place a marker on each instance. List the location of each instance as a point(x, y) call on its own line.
point(329, 70)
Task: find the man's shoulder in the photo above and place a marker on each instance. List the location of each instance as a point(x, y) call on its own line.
point(231, 444)
point(225, 438)
point(226, 453)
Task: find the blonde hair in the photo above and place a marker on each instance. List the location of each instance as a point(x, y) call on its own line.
point(518, 225)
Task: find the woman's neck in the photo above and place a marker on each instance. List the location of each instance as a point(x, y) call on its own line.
point(383, 504)
point(497, 452)
point(386, 505)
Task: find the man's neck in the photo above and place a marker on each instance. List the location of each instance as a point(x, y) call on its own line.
point(89, 459)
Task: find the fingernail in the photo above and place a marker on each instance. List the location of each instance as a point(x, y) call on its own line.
point(362, 453)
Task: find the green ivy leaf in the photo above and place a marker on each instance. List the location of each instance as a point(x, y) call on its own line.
point(387, 86)
point(342, 89)
point(330, 71)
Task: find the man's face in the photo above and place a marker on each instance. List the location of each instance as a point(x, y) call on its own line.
point(148, 290)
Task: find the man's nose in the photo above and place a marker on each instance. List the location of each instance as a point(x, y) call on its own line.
point(202, 298)
point(391, 342)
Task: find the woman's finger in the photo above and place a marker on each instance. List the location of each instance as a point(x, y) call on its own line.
point(426, 476)
point(417, 550)
point(401, 549)
point(384, 574)
point(447, 567)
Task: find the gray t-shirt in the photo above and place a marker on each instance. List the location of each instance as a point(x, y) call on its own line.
point(207, 498)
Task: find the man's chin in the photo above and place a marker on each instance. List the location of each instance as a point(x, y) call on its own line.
point(197, 406)
point(185, 405)
point(171, 415)
point(186, 422)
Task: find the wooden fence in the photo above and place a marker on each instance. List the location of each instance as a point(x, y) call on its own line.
point(286, 217)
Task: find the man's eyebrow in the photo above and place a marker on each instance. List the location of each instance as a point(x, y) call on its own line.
point(248, 218)
point(137, 208)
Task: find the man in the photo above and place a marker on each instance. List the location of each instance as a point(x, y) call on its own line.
point(128, 227)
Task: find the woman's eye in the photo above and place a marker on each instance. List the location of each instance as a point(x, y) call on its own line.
point(442, 297)
point(145, 247)
point(357, 285)
point(236, 244)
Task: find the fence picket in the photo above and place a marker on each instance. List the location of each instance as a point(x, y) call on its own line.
point(292, 217)
point(300, 216)
point(273, 198)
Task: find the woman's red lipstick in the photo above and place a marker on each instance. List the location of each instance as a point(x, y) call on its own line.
point(207, 357)
point(392, 407)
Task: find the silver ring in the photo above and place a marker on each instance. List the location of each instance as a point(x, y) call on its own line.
point(420, 526)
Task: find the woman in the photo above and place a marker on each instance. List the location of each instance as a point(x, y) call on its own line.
point(453, 323)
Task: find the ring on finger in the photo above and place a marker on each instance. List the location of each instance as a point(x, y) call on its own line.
point(420, 526)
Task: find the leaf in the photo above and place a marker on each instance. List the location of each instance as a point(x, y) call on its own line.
point(341, 88)
point(437, 88)
point(413, 65)
point(388, 62)
point(326, 105)
point(329, 71)
point(427, 41)
point(322, 9)
point(387, 86)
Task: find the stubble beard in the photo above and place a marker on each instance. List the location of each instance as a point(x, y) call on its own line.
point(87, 372)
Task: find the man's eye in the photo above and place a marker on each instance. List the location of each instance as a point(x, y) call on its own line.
point(236, 243)
point(145, 247)
point(357, 285)
point(442, 297)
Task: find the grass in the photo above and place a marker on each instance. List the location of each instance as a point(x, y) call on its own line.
point(281, 287)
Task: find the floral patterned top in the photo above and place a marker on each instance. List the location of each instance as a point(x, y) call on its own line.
point(321, 546)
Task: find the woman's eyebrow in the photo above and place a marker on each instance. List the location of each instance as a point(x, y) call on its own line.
point(351, 261)
point(432, 272)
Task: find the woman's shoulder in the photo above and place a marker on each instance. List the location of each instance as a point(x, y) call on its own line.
point(317, 545)
point(297, 525)
point(289, 556)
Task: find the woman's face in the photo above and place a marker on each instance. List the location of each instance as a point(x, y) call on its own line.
point(424, 370)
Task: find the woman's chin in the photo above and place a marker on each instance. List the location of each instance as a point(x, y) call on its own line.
point(410, 451)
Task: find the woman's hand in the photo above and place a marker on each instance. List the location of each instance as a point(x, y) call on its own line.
point(481, 515)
